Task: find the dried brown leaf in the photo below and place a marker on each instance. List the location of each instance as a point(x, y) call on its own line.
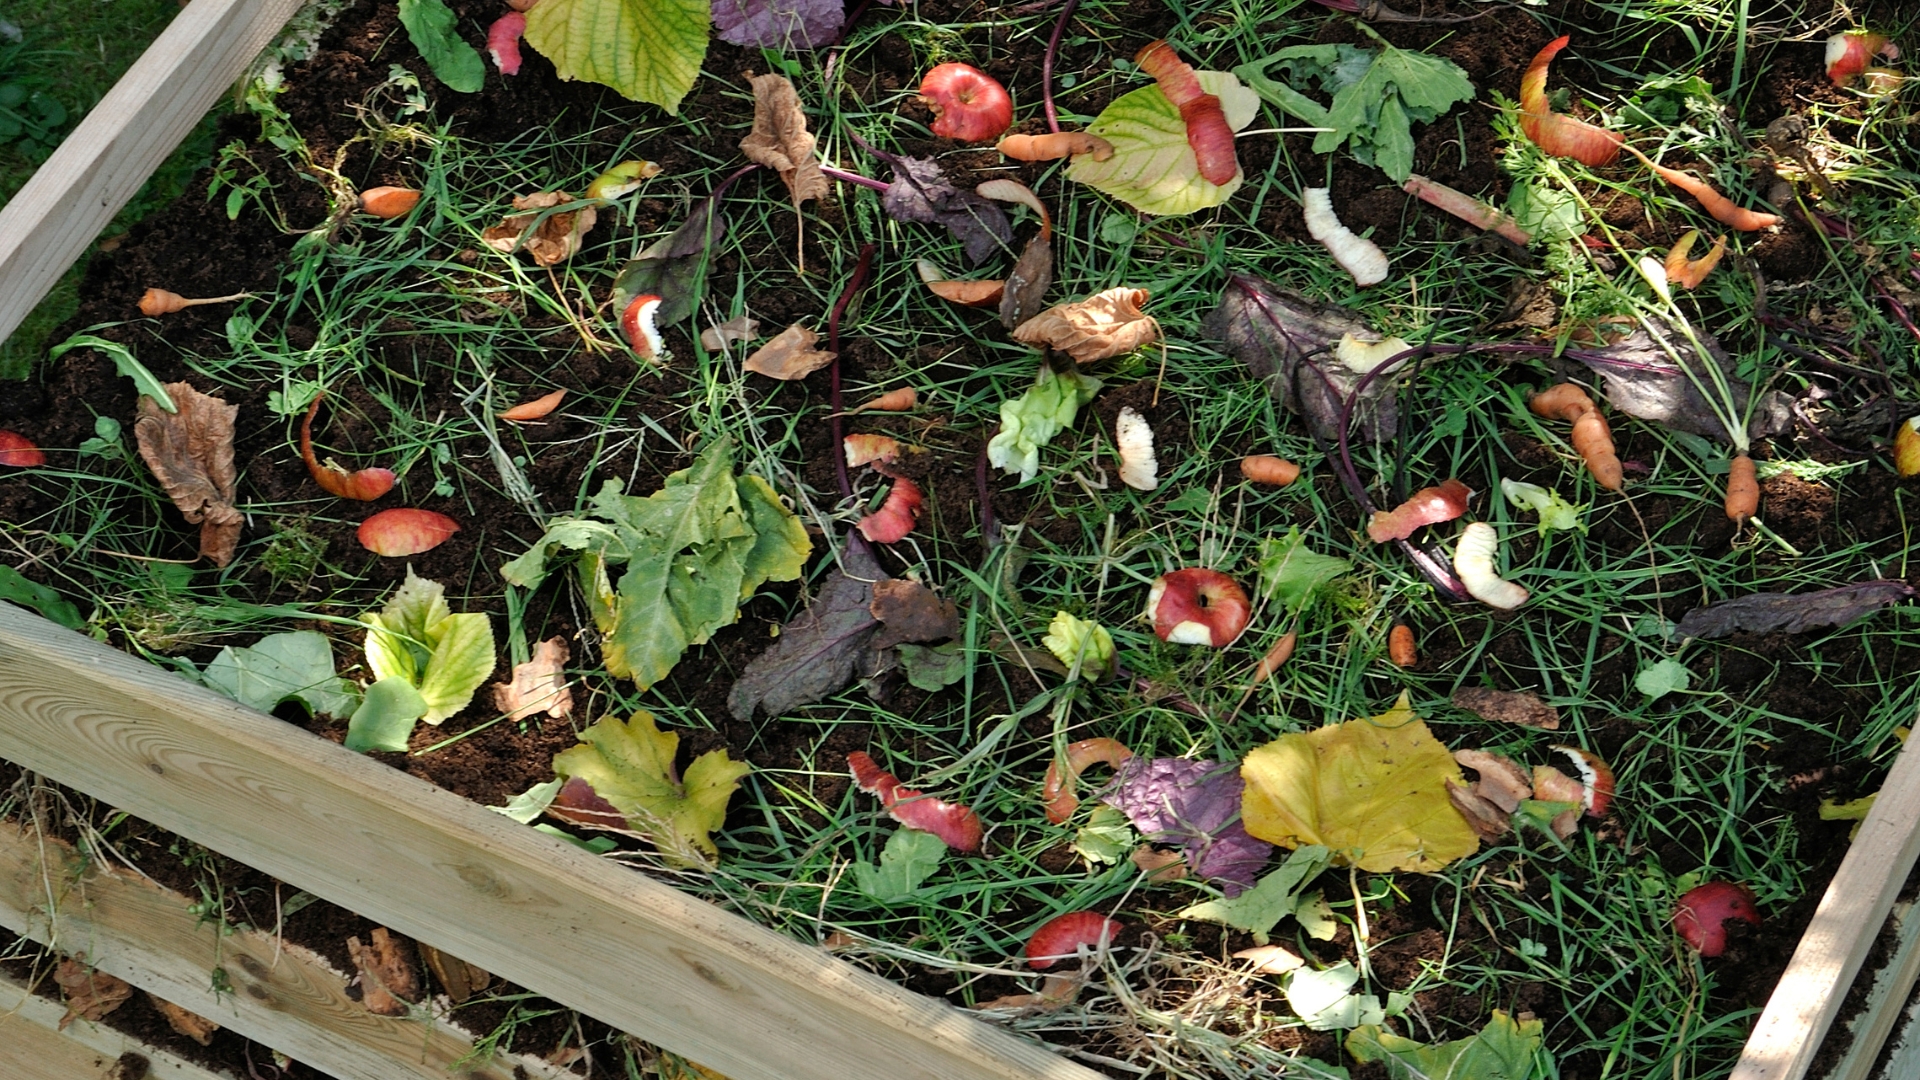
point(387, 980)
point(1159, 865)
point(1103, 325)
point(790, 355)
point(458, 978)
point(1508, 707)
point(1502, 782)
point(539, 685)
point(555, 240)
point(191, 1024)
point(909, 611)
point(90, 994)
point(780, 140)
point(720, 335)
point(191, 454)
point(1488, 820)
point(1057, 992)
point(1270, 960)
point(1026, 286)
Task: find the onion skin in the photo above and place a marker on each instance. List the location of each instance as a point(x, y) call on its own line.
point(1061, 936)
point(1556, 133)
point(1208, 133)
point(364, 485)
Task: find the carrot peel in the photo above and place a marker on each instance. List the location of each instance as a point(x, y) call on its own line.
point(1058, 792)
point(364, 485)
point(1689, 273)
point(1721, 208)
point(1557, 133)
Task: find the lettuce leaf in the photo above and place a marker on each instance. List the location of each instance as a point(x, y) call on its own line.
point(649, 50)
point(416, 638)
point(1031, 420)
point(1153, 168)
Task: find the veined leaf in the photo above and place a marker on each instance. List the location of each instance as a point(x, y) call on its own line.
point(1276, 896)
point(416, 638)
point(432, 27)
point(1503, 1050)
point(144, 381)
point(20, 589)
point(910, 858)
point(1153, 168)
point(385, 717)
point(649, 50)
point(281, 666)
point(630, 766)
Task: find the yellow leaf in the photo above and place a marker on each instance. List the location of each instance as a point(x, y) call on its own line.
point(649, 50)
point(631, 766)
point(1373, 790)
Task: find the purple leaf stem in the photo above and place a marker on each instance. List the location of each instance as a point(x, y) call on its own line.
point(852, 178)
point(836, 404)
point(1046, 64)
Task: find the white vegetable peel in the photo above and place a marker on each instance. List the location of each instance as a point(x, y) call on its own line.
point(1473, 561)
point(1356, 255)
point(1133, 438)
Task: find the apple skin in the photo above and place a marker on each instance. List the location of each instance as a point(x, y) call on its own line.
point(968, 104)
point(1198, 607)
point(1701, 915)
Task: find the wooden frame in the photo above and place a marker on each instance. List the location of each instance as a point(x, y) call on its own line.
point(600, 939)
point(32, 1046)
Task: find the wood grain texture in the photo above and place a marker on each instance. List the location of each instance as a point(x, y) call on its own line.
point(607, 941)
point(1814, 986)
point(48, 224)
point(32, 1046)
point(283, 996)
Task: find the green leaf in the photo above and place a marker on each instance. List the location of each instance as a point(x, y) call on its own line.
point(385, 717)
point(431, 27)
point(910, 858)
point(645, 637)
point(463, 657)
point(1106, 837)
point(1031, 420)
point(1077, 641)
point(1662, 679)
point(1377, 96)
point(1555, 512)
point(649, 50)
point(1547, 213)
point(122, 356)
point(1503, 1050)
point(1153, 168)
point(17, 588)
point(1320, 999)
point(531, 803)
point(295, 665)
point(780, 546)
point(1276, 896)
point(934, 668)
point(418, 639)
point(1290, 573)
point(630, 765)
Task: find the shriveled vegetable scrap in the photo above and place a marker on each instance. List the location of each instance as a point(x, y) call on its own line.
point(1357, 255)
point(901, 400)
point(1689, 273)
point(503, 42)
point(1473, 558)
point(157, 302)
point(389, 202)
point(1269, 470)
point(622, 179)
point(362, 485)
point(1133, 439)
point(1508, 707)
point(1721, 208)
point(1058, 794)
point(1032, 273)
point(1054, 146)
point(1401, 647)
point(535, 409)
point(1557, 133)
point(1104, 325)
point(1428, 506)
point(191, 453)
point(1208, 132)
point(550, 235)
point(1592, 439)
point(1466, 208)
point(1743, 490)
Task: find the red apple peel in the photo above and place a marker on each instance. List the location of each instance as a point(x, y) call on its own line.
point(951, 822)
point(1701, 916)
point(1208, 132)
point(968, 104)
point(1060, 937)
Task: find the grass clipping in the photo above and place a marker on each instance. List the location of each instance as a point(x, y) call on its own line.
point(1373, 791)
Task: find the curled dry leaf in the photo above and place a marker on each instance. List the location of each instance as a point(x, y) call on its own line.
point(458, 978)
point(191, 1024)
point(1552, 785)
point(553, 240)
point(1489, 822)
point(1791, 613)
point(979, 292)
point(909, 611)
point(1103, 325)
point(387, 981)
point(790, 355)
point(720, 335)
point(780, 140)
point(535, 409)
point(191, 454)
point(1033, 272)
point(1508, 707)
point(1160, 865)
point(90, 994)
point(1502, 782)
point(539, 685)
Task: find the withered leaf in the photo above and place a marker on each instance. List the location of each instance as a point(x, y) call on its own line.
point(1026, 287)
point(90, 994)
point(539, 685)
point(191, 454)
point(1103, 325)
point(1288, 341)
point(556, 239)
point(817, 653)
point(191, 1024)
point(387, 980)
point(1502, 782)
point(920, 193)
point(909, 611)
point(790, 355)
point(1642, 380)
point(780, 140)
point(1161, 865)
point(720, 335)
point(1508, 707)
point(1487, 819)
point(1270, 959)
point(674, 268)
point(458, 978)
point(1791, 613)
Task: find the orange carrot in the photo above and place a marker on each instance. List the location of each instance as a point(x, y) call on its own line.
point(156, 302)
point(1400, 646)
point(1276, 657)
point(388, 202)
point(1558, 134)
point(1593, 440)
point(900, 400)
point(1054, 146)
point(1743, 490)
point(1270, 470)
point(1689, 273)
point(535, 409)
point(1566, 401)
point(1719, 206)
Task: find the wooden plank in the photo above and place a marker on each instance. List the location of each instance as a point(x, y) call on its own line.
point(590, 934)
point(48, 224)
point(1887, 1001)
point(32, 1046)
point(281, 996)
point(1814, 986)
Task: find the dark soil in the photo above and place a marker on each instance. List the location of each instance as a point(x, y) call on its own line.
point(192, 248)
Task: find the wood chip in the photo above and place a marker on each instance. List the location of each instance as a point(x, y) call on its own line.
point(387, 979)
point(458, 978)
point(192, 1025)
point(90, 994)
point(1508, 707)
